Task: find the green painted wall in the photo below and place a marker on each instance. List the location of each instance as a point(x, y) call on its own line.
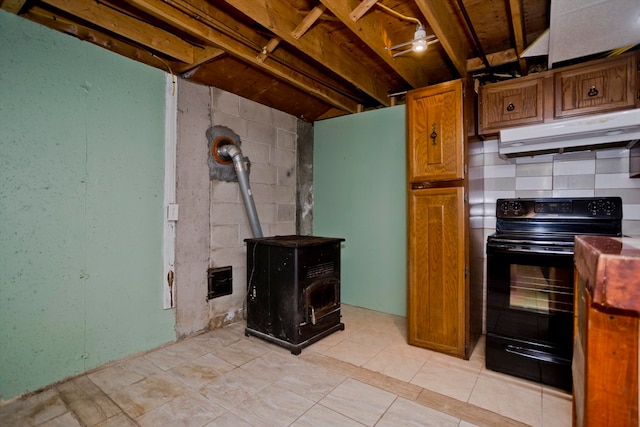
point(359, 183)
point(81, 196)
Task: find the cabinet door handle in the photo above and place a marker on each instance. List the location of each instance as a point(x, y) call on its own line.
point(511, 107)
point(434, 134)
point(592, 91)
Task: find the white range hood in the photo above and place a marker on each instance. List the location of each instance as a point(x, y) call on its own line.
point(620, 128)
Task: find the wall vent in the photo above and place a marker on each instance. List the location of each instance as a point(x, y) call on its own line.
point(220, 282)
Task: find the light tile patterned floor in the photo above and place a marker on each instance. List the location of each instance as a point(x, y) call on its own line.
point(365, 375)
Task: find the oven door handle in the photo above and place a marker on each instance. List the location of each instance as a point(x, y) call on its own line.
point(511, 249)
point(535, 354)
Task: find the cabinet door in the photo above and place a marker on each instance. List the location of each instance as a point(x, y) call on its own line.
point(436, 293)
point(513, 103)
point(595, 88)
point(435, 137)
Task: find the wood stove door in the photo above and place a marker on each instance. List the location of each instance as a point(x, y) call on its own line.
point(321, 298)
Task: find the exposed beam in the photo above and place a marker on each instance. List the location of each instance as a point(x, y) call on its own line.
point(371, 32)
point(517, 21)
point(361, 9)
point(495, 59)
point(203, 56)
point(278, 17)
point(448, 31)
point(268, 48)
point(12, 6)
point(308, 21)
point(182, 15)
point(98, 38)
point(133, 29)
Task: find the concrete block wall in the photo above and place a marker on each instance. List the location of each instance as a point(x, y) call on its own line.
point(268, 138)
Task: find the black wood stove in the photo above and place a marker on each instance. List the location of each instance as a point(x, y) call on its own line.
point(293, 289)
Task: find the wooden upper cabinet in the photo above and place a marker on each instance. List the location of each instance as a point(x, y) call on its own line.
point(435, 134)
point(518, 102)
point(603, 86)
point(593, 87)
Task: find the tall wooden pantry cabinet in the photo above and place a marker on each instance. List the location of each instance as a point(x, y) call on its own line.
point(444, 312)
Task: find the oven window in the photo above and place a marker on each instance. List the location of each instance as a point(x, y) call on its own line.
point(540, 288)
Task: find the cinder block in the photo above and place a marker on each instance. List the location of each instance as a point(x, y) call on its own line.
point(286, 176)
point(285, 121)
point(225, 191)
point(286, 140)
point(235, 123)
point(284, 194)
point(251, 110)
point(235, 256)
point(257, 152)
point(228, 213)
point(225, 236)
point(261, 192)
point(284, 229)
point(263, 174)
point(261, 132)
point(225, 101)
point(266, 212)
point(286, 213)
point(283, 158)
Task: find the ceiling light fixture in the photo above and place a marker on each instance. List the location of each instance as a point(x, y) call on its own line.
point(419, 43)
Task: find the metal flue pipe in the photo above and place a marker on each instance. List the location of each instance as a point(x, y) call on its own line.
point(235, 154)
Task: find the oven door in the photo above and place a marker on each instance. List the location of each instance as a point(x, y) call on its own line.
point(530, 313)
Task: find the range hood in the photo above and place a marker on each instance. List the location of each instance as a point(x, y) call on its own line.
point(620, 128)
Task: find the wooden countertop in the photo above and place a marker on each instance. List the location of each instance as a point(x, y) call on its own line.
point(610, 266)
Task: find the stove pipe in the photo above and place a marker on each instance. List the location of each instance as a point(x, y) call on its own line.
point(232, 151)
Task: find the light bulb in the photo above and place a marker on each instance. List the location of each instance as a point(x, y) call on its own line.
point(419, 46)
point(419, 40)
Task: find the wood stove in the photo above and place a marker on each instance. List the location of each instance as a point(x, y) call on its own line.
point(293, 289)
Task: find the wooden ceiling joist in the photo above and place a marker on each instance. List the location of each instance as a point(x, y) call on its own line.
point(310, 58)
point(12, 6)
point(361, 9)
point(308, 21)
point(370, 32)
point(98, 38)
point(517, 22)
point(448, 31)
point(495, 59)
point(200, 28)
point(278, 17)
point(268, 48)
point(128, 27)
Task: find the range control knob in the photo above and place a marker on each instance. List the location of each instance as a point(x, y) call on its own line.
point(517, 207)
point(601, 207)
point(606, 207)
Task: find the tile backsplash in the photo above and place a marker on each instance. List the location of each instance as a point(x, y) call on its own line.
point(578, 174)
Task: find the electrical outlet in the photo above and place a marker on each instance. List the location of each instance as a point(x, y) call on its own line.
point(220, 282)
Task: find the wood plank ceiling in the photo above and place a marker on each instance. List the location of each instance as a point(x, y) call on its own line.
point(310, 58)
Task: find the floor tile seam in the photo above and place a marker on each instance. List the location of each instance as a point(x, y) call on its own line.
point(475, 382)
point(387, 409)
point(77, 416)
point(415, 396)
point(512, 380)
point(330, 409)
